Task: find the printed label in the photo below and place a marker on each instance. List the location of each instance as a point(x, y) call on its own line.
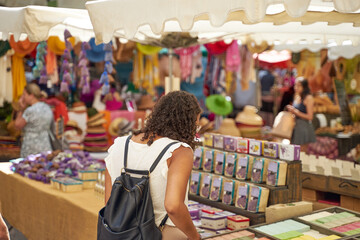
point(230, 158)
point(255, 191)
point(228, 186)
point(207, 179)
point(243, 162)
point(273, 166)
point(258, 163)
point(197, 152)
point(217, 182)
point(220, 157)
point(243, 191)
point(195, 176)
point(209, 155)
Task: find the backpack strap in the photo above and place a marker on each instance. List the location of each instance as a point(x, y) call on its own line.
point(126, 150)
point(153, 166)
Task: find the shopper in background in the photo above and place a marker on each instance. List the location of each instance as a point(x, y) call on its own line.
point(267, 81)
point(4, 233)
point(175, 117)
point(35, 119)
point(303, 108)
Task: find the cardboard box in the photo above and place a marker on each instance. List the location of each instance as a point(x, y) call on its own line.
point(280, 212)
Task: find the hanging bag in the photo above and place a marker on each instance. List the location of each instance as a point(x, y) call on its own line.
point(129, 213)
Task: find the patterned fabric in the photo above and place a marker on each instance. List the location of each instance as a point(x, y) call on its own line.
point(38, 119)
point(303, 132)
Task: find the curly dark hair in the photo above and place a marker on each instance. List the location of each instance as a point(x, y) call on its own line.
point(174, 116)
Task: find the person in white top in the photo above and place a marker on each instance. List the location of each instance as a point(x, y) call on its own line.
point(175, 117)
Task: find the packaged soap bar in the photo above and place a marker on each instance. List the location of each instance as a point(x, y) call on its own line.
point(276, 173)
point(198, 157)
point(70, 185)
point(270, 149)
point(230, 143)
point(216, 188)
point(255, 147)
point(242, 145)
point(230, 163)
point(195, 182)
point(88, 174)
point(219, 162)
point(208, 140)
point(289, 152)
point(194, 213)
point(244, 166)
point(208, 160)
point(241, 195)
point(205, 185)
point(213, 222)
point(228, 191)
point(237, 222)
point(258, 199)
point(87, 184)
point(259, 170)
point(218, 141)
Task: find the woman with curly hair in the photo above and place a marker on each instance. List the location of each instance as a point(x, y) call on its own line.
point(175, 117)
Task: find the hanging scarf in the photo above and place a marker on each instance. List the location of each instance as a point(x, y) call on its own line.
point(233, 59)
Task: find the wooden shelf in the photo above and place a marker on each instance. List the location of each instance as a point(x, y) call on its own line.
point(255, 218)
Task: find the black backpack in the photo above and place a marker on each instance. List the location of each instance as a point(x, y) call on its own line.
point(129, 213)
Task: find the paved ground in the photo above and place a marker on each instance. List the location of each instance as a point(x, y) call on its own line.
point(14, 233)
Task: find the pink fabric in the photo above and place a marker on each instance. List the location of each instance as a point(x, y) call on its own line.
point(130, 116)
point(233, 59)
point(186, 60)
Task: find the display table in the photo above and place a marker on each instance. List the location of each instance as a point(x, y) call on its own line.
point(41, 212)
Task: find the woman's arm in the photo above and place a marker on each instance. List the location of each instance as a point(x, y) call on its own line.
point(309, 104)
point(19, 121)
point(180, 166)
point(108, 186)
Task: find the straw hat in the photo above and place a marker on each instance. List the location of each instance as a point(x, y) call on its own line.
point(120, 126)
point(95, 118)
point(218, 104)
point(97, 129)
point(249, 116)
point(57, 46)
point(205, 125)
point(228, 127)
point(73, 124)
point(284, 124)
point(78, 107)
point(146, 102)
point(22, 47)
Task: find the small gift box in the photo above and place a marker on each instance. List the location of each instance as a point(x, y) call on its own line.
point(218, 141)
point(195, 213)
point(242, 145)
point(88, 174)
point(255, 147)
point(237, 222)
point(270, 150)
point(213, 222)
point(70, 185)
point(205, 185)
point(289, 152)
point(216, 188)
point(241, 196)
point(219, 164)
point(276, 174)
point(228, 191)
point(230, 164)
point(208, 140)
point(195, 183)
point(259, 170)
point(208, 160)
point(244, 166)
point(258, 199)
point(198, 157)
point(230, 143)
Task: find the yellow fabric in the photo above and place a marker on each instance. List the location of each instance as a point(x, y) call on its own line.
point(156, 70)
point(148, 76)
point(18, 72)
point(140, 70)
point(147, 49)
point(42, 212)
point(57, 46)
point(229, 82)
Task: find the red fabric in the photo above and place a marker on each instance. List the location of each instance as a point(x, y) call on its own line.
point(59, 109)
point(216, 47)
point(283, 64)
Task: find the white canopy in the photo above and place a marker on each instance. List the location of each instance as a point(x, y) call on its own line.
point(39, 22)
point(275, 21)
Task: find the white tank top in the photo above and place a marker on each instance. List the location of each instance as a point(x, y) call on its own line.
point(141, 157)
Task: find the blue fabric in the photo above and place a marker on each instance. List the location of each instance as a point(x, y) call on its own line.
point(242, 98)
point(300, 106)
